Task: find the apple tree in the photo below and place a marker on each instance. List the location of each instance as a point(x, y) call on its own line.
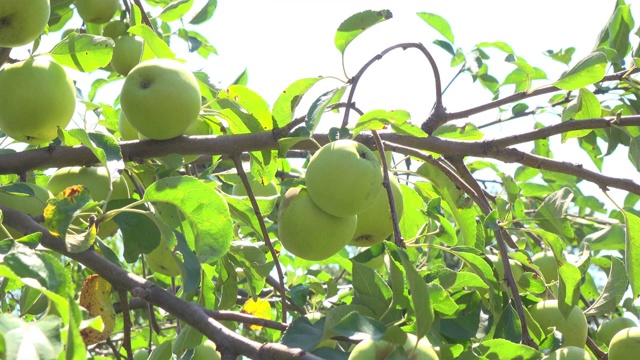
point(187, 220)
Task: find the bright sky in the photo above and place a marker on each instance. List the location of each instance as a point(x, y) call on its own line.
point(281, 41)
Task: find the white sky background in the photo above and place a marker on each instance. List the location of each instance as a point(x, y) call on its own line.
point(280, 41)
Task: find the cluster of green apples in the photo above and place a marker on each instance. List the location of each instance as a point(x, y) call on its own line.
point(344, 203)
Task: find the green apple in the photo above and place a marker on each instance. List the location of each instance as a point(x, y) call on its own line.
point(516, 267)
point(22, 21)
point(343, 178)
point(379, 350)
point(574, 328)
point(375, 223)
point(259, 190)
point(569, 353)
point(199, 127)
point(625, 344)
point(96, 179)
point(206, 351)
point(51, 100)
point(97, 11)
point(26, 197)
point(162, 260)
point(127, 53)
point(608, 329)
point(127, 132)
point(307, 231)
point(115, 28)
point(160, 98)
point(141, 354)
point(547, 264)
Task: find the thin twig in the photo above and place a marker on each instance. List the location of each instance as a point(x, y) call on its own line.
point(126, 323)
point(354, 80)
point(397, 235)
point(145, 18)
point(265, 232)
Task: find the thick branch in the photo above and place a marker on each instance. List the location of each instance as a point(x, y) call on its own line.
point(226, 340)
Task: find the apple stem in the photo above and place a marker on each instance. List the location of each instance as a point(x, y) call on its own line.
point(265, 233)
point(397, 235)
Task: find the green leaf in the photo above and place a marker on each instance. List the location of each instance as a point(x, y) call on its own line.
point(481, 267)
point(286, 104)
point(613, 292)
point(497, 45)
point(158, 47)
point(205, 13)
point(74, 346)
point(585, 106)
point(316, 110)
point(467, 131)
point(34, 340)
point(62, 209)
point(253, 104)
point(439, 24)
point(302, 334)
point(562, 55)
point(356, 24)
point(504, 350)
point(587, 71)
point(420, 298)
point(615, 34)
point(84, 52)
point(509, 326)
point(191, 264)
point(103, 146)
point(204, 207)
point(140, 235)
point(378, 119)
point(551, 215)
point(357, 326)
point(370, 289)
point(176, 10)
point(632, 252)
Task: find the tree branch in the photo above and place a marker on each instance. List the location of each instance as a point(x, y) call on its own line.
point(226, 340)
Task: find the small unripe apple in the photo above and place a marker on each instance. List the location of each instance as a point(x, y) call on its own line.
point(160, 98)
point(625, 344)
point(573, 328)
point(127, 132)
point(516, 267)
point(608, 329)
point(141, 354)
point(199, 127)
point(114, 29)
point(374, 350)
point(307, 231)
point(343, 178)
point(22, 21)
point(96, 179)
point(51, 100)
point(375, 223)
point(548, 265)
point(97, 11)
point(206, 351)
point(18, 200)
point(127, 53)
point(569, 353)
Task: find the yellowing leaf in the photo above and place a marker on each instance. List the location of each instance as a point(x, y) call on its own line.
point(258, 308)
point(95, 297)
